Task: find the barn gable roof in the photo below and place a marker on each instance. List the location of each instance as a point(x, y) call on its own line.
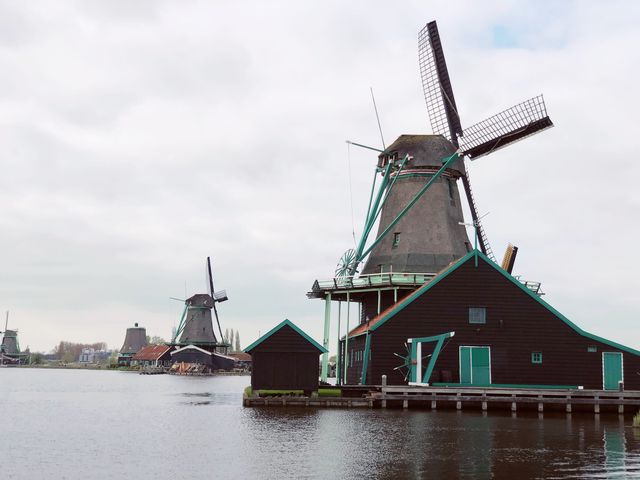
point(190, 347)
point(151, 352)
point(390, 312)
point(278, 327)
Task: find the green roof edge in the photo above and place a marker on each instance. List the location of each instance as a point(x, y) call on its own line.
point(280, 326)
point(513, 280)
point(413, 296)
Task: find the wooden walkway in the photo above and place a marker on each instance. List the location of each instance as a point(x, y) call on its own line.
point(512, 398)
point(462, 398)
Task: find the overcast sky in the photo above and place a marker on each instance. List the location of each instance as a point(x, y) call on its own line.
point(139, 137)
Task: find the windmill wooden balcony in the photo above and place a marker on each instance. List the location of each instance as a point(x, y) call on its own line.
point(355, 284)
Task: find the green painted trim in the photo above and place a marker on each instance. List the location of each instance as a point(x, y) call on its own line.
point(365, 360)
point(180, 325)
point(436, 352)
point(413, 372)
point(427, 286)
point(369, 221)
point(508, 385)
point(536, 358)
point(277, 328)
point(325, 339)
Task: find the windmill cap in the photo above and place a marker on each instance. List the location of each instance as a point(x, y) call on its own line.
point(426, 150)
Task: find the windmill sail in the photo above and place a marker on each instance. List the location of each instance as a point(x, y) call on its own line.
point(509, 126)
point(438, 94)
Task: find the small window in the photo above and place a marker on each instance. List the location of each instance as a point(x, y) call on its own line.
point(536, 357)
point(477, 315)
point(396, 239)
point(451, 197)
point(592, 349)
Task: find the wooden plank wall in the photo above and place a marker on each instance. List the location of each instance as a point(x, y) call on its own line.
point(516, 326)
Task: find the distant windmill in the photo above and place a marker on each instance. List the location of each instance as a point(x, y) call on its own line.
point(196, 325)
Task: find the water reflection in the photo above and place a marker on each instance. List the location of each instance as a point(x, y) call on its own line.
point(157, 413)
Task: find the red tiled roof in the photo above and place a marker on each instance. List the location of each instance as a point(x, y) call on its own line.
point(151, 352)
point(243, 357)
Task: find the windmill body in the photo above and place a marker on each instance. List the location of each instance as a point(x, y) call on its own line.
point(198, 327)
point(10, 343)
point(429, 236)
point(134, 340)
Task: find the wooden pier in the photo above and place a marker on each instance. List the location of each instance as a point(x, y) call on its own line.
point(463, 398)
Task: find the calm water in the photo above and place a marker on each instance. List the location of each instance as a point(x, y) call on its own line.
point(94, 424)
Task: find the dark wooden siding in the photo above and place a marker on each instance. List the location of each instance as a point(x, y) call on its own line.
point(285, 361)
point(355, 359)
point(192, 356)
point(288, 371)
point(516, 326)
point(370, 303)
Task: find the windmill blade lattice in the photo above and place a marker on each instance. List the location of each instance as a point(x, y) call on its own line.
point(509, 126)
point(438, 93)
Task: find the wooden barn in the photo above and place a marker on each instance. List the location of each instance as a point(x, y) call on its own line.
point(193, 354)
point(475, 324)
point(285, 358)
point(152, 356)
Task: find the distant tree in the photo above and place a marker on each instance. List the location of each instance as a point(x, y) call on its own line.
point(238, 349)
point(69, 357)
point(230, 340)
point(113, 358)
point(36, 358)
point(226, 335)
point(155, 340)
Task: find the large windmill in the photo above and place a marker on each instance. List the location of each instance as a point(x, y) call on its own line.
point(417, 204)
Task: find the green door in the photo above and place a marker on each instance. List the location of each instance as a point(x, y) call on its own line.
point(611, 369)
point(475, 366)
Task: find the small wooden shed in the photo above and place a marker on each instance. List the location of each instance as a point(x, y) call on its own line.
point(285, 358)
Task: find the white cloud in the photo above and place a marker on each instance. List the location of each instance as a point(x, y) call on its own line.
point(140, 137)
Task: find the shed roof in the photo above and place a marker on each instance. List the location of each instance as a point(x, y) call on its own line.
point(278, 327)
point(390, 312)
point(241, 356)
point(151, 352)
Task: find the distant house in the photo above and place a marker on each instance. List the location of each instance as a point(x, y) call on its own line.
point(285, 358)
point(87, 356)
point(152, 356)
point(242, 360)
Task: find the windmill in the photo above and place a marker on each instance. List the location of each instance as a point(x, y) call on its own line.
point(417, 204)
point(10, 348)
point(196, 325)
point(430, 229)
